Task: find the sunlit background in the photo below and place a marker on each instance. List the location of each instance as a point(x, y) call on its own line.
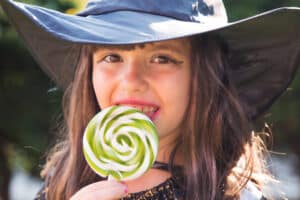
point(30, 109)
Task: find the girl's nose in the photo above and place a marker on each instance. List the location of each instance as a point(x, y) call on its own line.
point(133, 78)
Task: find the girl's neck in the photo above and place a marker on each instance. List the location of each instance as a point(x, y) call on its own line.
point(150, 179)
point(166, 146)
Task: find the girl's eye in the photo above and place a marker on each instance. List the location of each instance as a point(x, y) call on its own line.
point(112, 58)
point(161, 59)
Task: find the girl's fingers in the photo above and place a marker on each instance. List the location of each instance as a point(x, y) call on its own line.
point(104, 190)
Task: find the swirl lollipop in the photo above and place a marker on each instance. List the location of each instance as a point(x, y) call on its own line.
point(120, 142)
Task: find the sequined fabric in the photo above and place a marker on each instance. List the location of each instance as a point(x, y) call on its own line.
point(166, 190)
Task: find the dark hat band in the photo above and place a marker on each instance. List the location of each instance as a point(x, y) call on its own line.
point(186, 10)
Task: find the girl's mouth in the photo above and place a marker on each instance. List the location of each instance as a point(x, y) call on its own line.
point(147, 110)
point(150, 110)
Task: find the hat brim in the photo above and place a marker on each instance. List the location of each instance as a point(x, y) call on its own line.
point(265, 49)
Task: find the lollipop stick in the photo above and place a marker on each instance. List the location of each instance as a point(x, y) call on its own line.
point(110, 178)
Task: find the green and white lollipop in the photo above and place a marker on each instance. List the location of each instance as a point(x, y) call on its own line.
point(120, 142)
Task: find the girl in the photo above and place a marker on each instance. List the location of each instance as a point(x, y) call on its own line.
point(201, 81)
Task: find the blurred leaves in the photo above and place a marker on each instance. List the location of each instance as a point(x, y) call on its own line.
point(28, 103)
point(246, 8)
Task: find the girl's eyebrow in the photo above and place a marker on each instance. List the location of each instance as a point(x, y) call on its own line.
point(168, 47)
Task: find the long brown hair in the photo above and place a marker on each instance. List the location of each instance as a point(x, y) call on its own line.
point(216, 140)
point(221, 152)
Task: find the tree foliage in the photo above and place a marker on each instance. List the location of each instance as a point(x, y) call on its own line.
point(29, 102)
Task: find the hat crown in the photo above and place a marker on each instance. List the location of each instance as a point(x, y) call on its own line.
point(186, 10)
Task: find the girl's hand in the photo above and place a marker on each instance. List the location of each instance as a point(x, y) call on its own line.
point(104, 190)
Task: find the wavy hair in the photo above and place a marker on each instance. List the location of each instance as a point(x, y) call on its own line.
point(221, 154)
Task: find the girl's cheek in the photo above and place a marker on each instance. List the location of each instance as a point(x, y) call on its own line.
point(102, 84)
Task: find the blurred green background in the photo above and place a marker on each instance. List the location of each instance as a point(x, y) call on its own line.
point(30, 103)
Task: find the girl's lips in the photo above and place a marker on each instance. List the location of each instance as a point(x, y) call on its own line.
point(148, 108)
point(134, 102)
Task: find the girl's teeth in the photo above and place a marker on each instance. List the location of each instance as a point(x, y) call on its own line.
point(146, 109)
point(143, 109)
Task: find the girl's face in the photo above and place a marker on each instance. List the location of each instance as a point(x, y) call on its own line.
point(154, 78)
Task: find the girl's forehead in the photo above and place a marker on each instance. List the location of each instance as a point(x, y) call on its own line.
point(174, 44)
